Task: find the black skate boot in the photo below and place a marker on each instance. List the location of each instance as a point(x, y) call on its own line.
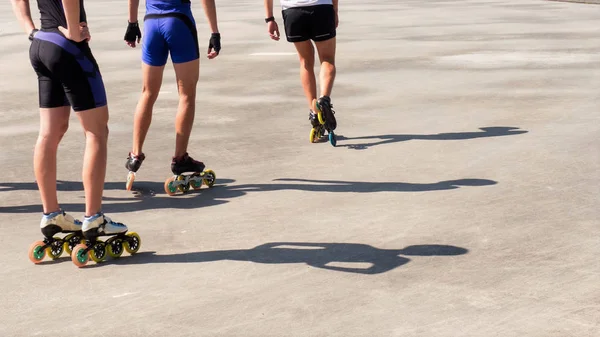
point(194, 176)
point(328, 114)
point(133, 164)
point(186, 164)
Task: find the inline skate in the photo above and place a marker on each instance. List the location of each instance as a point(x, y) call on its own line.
point(325, 116)
point(96, 249)
point(53, 246)
point(133, 164)
point(188, 173)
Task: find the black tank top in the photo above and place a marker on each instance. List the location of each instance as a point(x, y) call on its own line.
point(52, 14)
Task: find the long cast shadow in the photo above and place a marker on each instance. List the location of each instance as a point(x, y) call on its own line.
point(496, 131)
point(318, 255)
point(145, 197)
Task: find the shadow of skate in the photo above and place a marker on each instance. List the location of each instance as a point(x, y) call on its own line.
point(497, 131)
point(342, 257)
point(221, 192)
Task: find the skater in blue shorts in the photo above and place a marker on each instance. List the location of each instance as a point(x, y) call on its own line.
point(169, 28)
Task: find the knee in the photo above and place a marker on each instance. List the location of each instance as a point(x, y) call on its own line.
point(307, 64)
point(54, 135)
point(149, 95)
point(187, 92)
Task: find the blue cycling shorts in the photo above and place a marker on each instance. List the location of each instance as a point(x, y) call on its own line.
point(169, 32)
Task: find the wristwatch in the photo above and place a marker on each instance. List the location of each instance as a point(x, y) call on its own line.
point(32, 34)
point(267, 20)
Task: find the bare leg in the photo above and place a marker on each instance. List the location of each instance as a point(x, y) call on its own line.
point(306, 53)
point(151, 83)
point(187, 74)
point(95, 126)
point(54, 122)
point(326, 50)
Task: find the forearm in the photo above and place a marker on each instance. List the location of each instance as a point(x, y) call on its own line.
point(211, 14)
point(134, 5)
point(335, 5)
point(268, 8)
point(23, 13)
point(72, 14)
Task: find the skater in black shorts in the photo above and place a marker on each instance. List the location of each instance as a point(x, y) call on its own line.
point(68, 77)
point(307, 21)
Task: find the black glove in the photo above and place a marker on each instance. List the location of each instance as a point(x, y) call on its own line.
point(32, 34)
point(133, 32)
point(214, 42)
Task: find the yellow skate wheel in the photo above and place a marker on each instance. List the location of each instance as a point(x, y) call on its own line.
point(313, 133)
point(36, 252)
point(130, 180)
point(71, 241)
point(133, 244)
point(209, 178)
point(78, 257)
point(169, 188)
point(98, 252)
point(317, 109)
point(184, 187)
point(114, 247)
point(56, 248)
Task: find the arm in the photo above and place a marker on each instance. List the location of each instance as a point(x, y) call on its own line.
point(134, 5)
point(211, 14)
point(335, 9)
point(272, 27)
point(72, 13)
point(268, 8)
point(23, 14)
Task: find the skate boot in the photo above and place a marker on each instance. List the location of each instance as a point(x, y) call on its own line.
point(52, 224)
point(188, 173)
point(100, 225)
point(326, 116)
point(133, 164)
point(317, 130)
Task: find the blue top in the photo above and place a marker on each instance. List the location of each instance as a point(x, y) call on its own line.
point(168, 6)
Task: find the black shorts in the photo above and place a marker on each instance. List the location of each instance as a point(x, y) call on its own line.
point(67, 73)
point(315, 23)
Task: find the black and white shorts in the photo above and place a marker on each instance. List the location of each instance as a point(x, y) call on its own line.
point(315, 23)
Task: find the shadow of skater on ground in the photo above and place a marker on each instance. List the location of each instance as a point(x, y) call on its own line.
point(145, 197)
point(331, 256)
point(496, 131)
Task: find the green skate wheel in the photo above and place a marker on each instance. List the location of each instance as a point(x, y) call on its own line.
point(37, 252)
point(79, 257)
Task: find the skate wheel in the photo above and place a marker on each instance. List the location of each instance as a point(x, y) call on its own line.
point(169, 188)
point(209, 178)
point(196, 183)
point(130, 180)
point(184, 187)
point(71, 241)
point(56, 248)
point(98, 252)
point(37, 252)
point(332, 138)
point(132, 245)
point(79, 257)
point(114, 247)
point(313, 135)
